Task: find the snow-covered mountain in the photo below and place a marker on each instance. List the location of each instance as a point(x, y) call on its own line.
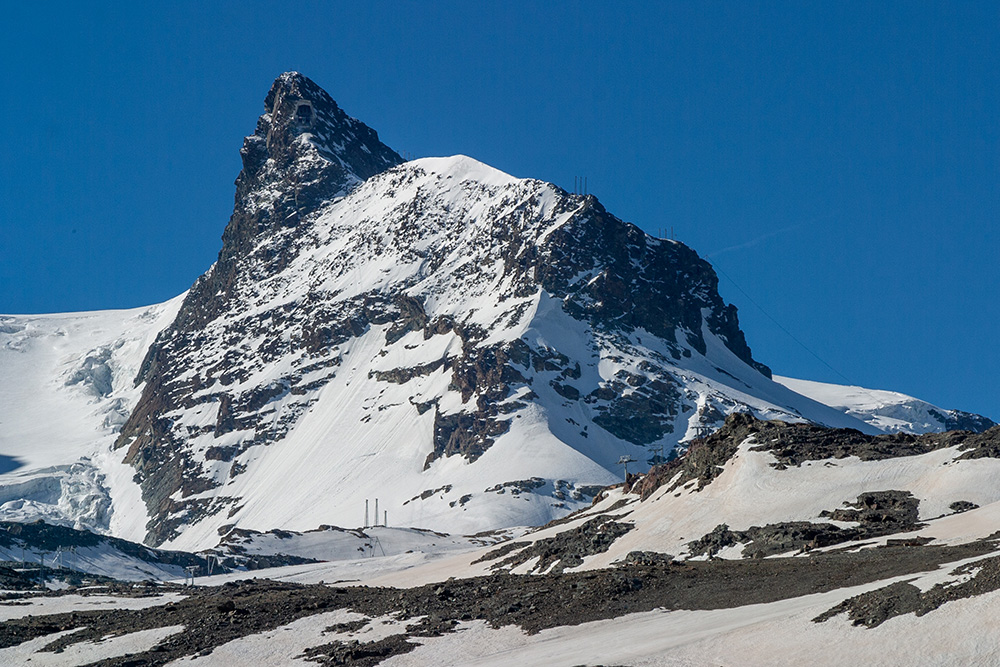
point(68, 552)
point(473, 349)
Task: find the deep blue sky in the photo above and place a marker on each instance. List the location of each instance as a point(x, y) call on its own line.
point(838, 162)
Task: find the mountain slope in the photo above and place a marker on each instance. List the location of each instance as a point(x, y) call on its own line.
point(65, 391)
point(757, 489)
point(888, 411)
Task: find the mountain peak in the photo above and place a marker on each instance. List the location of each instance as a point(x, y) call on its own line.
point(463, 167)
point(291, 88)
point(295, 83)
point(302, 122)
point(304, 153)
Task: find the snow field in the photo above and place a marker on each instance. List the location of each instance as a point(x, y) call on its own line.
point(83, 653)
point(43, 606)
point(66, 384)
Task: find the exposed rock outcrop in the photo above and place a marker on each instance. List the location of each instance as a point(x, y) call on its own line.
point(877, 513)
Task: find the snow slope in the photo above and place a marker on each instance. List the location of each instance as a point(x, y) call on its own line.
point(955, 490)
point(102, 559)
point(778, 633)
point(888, 411)
point(332, 544)
point(66, 387)
point(750, 492)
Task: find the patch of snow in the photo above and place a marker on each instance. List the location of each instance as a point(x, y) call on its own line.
point(82, 653)
point(64, 604)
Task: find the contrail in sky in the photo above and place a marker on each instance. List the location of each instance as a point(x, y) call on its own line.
point(769, 235)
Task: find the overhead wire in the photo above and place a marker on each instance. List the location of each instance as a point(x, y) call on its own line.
point(778, 324)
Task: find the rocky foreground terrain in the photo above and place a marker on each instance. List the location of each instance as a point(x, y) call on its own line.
point(868, 572)
point(214, 616)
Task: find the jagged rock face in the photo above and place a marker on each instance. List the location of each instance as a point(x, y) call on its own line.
point(959, 420)
point(647, 284)
point(305, 152)
point(356, 296)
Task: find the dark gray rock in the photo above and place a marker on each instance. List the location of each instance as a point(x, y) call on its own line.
point(877, 513)
point(876, 607)
point(962, 506)
point(566, 549)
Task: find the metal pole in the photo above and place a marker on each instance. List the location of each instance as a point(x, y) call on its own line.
point(625, 460)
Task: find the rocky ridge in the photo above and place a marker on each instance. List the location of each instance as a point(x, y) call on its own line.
point(757, 489)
